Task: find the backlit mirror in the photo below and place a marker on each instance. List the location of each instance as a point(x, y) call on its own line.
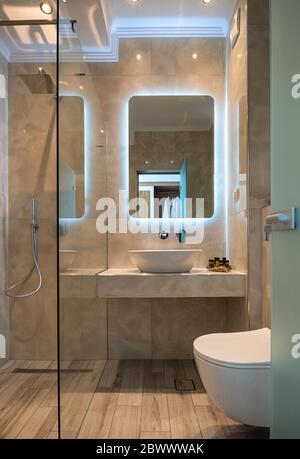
point(71, 157)
point(171, 153)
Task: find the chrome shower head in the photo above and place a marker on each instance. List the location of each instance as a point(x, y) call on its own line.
point(40, 83)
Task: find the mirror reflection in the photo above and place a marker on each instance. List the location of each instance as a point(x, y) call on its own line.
point(171, 154)
point(71, 157)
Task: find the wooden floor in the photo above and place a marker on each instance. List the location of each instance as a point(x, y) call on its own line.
point(112, 399)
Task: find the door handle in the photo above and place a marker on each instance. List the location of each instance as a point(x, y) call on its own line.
point(284, 220)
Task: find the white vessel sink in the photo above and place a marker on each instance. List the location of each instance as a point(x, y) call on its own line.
point(66, 259)
point(164, 261)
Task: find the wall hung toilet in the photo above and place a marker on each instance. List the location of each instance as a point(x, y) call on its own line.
point(235, 370)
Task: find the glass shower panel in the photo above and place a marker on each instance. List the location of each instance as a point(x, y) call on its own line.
point(82, 250)
point(28, 247)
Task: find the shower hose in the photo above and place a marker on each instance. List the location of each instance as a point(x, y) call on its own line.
point(35, 267)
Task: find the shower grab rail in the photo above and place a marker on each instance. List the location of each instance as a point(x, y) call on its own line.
point(34, 246)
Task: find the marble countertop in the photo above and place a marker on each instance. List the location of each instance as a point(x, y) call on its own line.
point(199, 283)
point(82, 272)
point(194, 272)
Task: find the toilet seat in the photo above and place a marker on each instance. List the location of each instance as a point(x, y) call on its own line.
point(236, 350)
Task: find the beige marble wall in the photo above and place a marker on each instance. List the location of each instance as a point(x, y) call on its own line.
point(4, 312)
point(32, 171)
point(259, 150)
point(167, 68)
point(81, 234)
point(163, 328)
point(249, 149)
point(83, 319)
point(238, 161)
point(166, 328)
point(237, 147)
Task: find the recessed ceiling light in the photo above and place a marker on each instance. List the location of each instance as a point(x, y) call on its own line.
point(206, 1)
point(195, 56)
point(81, 87)
point(134, 1)
point(46, 7)
point(138, 57)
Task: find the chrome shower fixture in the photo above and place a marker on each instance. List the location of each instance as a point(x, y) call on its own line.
point(35, 267)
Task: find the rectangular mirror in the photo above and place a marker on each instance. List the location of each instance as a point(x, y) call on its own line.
point(71, 157)
point(171, 153)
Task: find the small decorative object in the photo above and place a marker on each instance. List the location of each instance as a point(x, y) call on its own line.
point(219, 265)
point(235, 28)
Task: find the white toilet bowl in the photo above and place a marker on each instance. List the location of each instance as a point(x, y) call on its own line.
point(235, 370)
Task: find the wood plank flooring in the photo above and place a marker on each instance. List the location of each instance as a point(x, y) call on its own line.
point(112, 399)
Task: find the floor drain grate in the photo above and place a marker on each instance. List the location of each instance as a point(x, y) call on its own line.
point(41, 371)
point(184, 385)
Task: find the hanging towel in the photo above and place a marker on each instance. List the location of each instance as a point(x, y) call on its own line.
point(175, 208)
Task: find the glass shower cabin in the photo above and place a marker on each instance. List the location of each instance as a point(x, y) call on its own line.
point(52, 171)
point(28, 231)
point(82, 249)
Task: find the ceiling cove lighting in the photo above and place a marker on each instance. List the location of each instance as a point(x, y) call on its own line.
point(46, 7)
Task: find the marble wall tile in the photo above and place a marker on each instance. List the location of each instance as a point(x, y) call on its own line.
point(237, 98)
point(166, 328)
point(129, 329)
point(259, 151)
point(70, 328)
point(177, 323)
point(78, 286)
point(259, 116)
point(237, 311)
point(237, 315)
point(31, 68)
point(83, 324)
point(238, 233)
point(127, 63)
point(33, 324)
point(32, 172)
point(255, 275)
point(174, 56)
point(94, 329)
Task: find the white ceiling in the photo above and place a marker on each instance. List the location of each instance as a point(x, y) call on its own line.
point(101, 23)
